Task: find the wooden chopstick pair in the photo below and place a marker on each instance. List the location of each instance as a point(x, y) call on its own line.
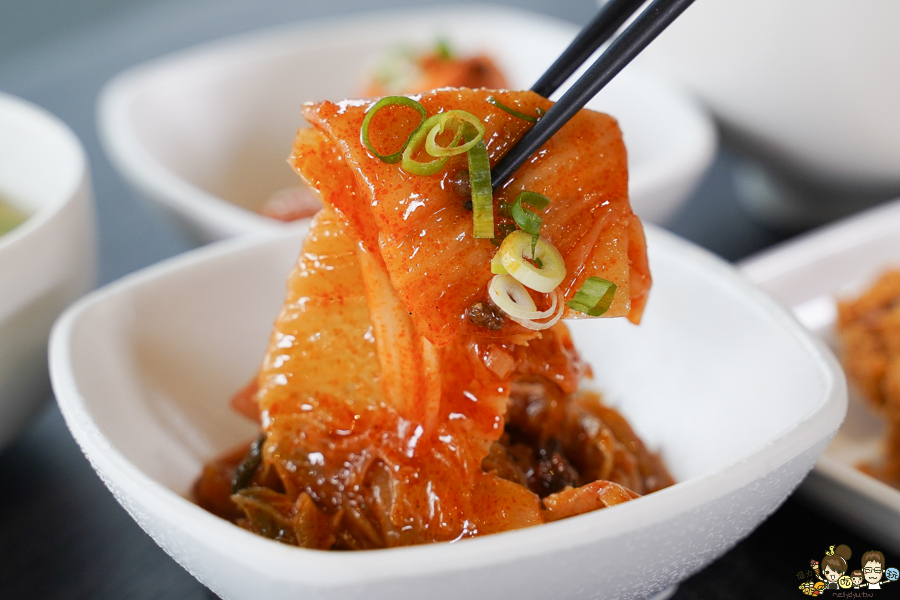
point(649, 24)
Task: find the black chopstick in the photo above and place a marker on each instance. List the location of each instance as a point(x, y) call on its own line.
point(611, 16)
point(649, 24)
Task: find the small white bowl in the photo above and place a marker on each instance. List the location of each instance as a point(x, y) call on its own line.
point(205, 133)
point(47, 261)
point(738, 397)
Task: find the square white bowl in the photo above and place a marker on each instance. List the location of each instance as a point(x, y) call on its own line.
point(205, 133)
point(808, 275)
point(739, 398)
point(46, 262)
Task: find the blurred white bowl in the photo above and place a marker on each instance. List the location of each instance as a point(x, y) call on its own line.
point(808, 274)
point(737, 396)
point(47, 261)
point(814, 82)
point(206, 132)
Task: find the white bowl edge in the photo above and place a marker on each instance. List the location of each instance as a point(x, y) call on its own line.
point(317, 568)
point(210, 217)
point(48, 260)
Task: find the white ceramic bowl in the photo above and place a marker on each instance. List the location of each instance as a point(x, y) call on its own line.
point(737, 396)
point(47, 261)
point(812, 81)
point(205, 133)
point(808, 274)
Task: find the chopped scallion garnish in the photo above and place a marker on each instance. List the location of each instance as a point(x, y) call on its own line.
point(513, 111)
point(523, 265)
point(462, 121)
point(594, 298)
point(465, 126)
point(482, 194)
point(443, 49)
point(497, 267)
point(385, 102)
point(416, 167)
point(528, 221)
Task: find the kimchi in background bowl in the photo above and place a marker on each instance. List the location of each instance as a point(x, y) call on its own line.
point(808, 274)
point(205, 133)
point(47, 261)
point(739, 399)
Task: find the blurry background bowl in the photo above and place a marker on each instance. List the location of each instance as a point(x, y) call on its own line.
point(809, 274)
point(205, 133)
point(808, 87)
point(47, 261)
point(143, 370)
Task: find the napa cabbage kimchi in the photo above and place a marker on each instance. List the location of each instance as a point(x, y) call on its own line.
point(420, 384)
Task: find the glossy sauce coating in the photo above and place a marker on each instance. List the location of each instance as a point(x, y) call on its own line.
point(334, 438)
point(424, 232)
point(387, 413)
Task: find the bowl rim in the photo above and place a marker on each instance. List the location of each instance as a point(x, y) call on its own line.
point(140, 167)
point(319, 568)
point(25, 110)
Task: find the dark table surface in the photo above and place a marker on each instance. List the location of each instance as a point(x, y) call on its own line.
point(62, 534)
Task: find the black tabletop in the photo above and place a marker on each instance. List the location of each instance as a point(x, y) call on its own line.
point(62, 534)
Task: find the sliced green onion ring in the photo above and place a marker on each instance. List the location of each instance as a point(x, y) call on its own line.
point(482, 194)
point(460, 119)
point(531, 324)
point(411, 165)
point(528, 221)
point(512, 298)
point(541, 279)
point(428, 132)
point(497, 267)
point(594, 297)
point(511, 110)
point(370, 114)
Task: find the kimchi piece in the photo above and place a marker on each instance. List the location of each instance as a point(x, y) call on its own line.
point(409, 72)
point(404, 71)
point(398, 403)
point(869, 330)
